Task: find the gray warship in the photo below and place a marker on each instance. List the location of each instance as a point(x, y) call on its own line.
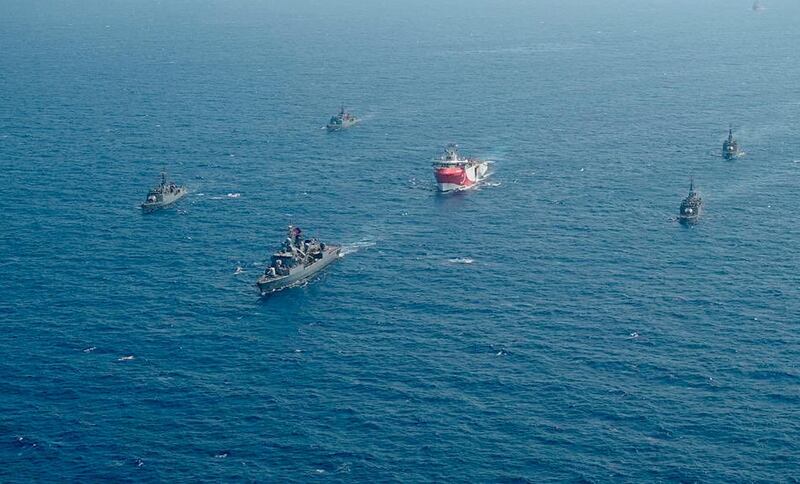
point(297, 261)
point(343, 120)
point(730, 147)
point(163, 195)
point(691, 206)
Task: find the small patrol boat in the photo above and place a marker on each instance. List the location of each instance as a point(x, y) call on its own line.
point(343, 120)
point(163, 195)
point(455, 173)
point(297, 261)
point(691, 206)
point(730, 147)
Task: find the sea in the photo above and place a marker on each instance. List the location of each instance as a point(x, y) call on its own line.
point(556, 324)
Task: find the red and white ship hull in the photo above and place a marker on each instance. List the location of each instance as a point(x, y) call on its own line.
point(459, 176)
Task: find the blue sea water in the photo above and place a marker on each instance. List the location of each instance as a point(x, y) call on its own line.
point(590, 339)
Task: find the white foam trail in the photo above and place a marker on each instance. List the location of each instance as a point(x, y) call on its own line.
point(126, 358)
point(234, 195)
point(461, 260)
point(239, 270)
point(355, 247)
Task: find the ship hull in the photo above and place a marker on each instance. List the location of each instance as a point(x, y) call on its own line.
point(731, 155)
point(299, 275)
point(730, 150)
point(689, 219)
point(455, 178)
point(339, 127)
point(152, 207)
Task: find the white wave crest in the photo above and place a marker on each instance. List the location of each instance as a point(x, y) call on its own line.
point(355, 247)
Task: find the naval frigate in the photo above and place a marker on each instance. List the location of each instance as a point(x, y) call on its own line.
point(730, 147)
point(691, 206)
point(342, 120)
point(296, 262)
point(163, 195)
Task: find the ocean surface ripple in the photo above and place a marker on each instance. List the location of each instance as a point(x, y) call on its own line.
point(556, 324)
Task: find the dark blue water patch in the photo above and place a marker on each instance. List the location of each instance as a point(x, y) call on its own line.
point(591, 338)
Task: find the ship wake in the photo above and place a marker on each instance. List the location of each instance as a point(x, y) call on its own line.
point(348, 249)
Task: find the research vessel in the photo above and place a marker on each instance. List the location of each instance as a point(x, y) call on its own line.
point(453, 172)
